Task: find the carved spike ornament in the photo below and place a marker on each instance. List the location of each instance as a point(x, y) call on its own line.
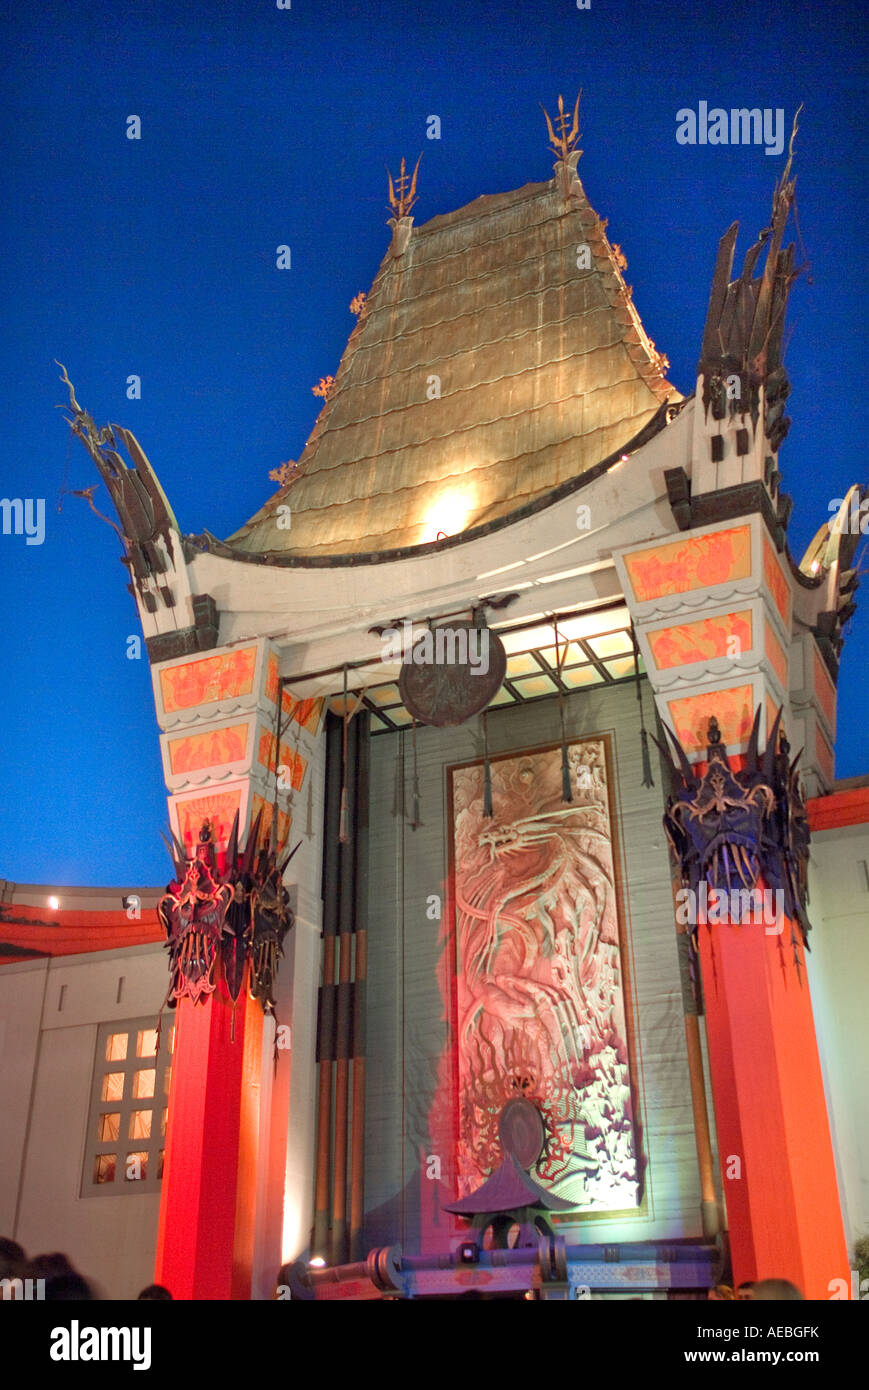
point(238, 919)
point(744, 328)
point(728, 829)
point(192, 911)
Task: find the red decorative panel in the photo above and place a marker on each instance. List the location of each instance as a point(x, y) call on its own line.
point(776, 582)
point(730, 634)
point(213, 678)
point(838, 809)
point(733, 708)
point(697, 563)
point(539, 977)
point(72, 931)
point(211, 749)
point(218, 807)
point(776, 655)
point(824, 688)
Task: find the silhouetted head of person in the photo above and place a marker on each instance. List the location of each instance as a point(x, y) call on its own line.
point(745, 1290)
point(53, 1266)
point(68, 1288)
point(12, 1258)
point(777, 1291)
point(154, 1293)
point(721, 1293)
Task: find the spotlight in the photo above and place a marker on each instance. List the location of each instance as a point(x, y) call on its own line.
point(317, 1262)
point(469, 1253)
point(54, 903)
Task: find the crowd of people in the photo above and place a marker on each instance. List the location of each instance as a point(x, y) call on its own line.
point(63, 1283)
point(60, 1280)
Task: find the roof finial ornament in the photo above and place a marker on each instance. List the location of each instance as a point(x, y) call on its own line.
point(402, 197)
point(563, 144)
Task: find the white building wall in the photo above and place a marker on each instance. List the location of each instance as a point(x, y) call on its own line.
point(52, 1010)
point(838, 969)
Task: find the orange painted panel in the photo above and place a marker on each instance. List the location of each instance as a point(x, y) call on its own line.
point(824, 688)
point(272, 678)
point(218, 807)
point(771, 712)
point(776, 582)
point(196, 751)
point(678, 566)
point(776, 655)
point(307, 713)
point(824, 755)
point(703, 640)
point(284, 821)
point(295, 764)
point(213, 678)
point(733, 708)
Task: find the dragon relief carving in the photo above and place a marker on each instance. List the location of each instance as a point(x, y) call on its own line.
point(541, 1005)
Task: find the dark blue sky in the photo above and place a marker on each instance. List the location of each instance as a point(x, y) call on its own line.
point(263, 126)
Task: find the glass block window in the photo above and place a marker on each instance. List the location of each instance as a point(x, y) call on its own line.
point(126, 1132)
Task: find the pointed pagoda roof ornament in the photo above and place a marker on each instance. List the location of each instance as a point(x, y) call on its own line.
point(402, 198)
point(564, 144)
point(745, 319)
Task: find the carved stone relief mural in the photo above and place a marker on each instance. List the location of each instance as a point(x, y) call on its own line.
point(539, 973)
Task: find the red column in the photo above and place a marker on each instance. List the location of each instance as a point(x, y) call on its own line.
point(205, 1239)
point(774, 1140)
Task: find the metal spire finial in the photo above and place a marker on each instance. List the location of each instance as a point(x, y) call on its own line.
point(402, 192)
point(564, 143)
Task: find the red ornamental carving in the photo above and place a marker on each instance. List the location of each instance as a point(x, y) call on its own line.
point(192, 911)
point(242, 915)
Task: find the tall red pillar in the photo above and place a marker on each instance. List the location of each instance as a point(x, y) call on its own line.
point(715, 611)
point(774, 1144)
point(206, 1232)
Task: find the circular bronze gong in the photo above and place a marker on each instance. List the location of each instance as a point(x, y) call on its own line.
point(521, 1131)
point(452, 672)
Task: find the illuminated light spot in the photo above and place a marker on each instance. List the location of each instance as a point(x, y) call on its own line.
point(448, 514)
point(54, 903)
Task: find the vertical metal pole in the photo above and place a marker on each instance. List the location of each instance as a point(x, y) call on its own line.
point(360, 900)
point(326, 1020)
point(344, 1011)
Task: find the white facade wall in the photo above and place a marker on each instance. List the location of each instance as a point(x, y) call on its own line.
point(838, 969)
point(50, 1011)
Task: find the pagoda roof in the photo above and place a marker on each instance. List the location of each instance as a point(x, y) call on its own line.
point(542, 364)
